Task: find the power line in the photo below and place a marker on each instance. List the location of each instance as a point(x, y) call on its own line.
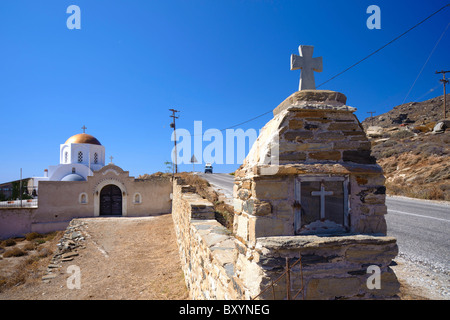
point(423, 67)
point(239, 124)
point(428, 92)
point(248, 120)
point(355, 64)
point(384, 46)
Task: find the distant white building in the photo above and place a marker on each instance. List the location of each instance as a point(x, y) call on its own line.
point(83, 186)
point(79, 157)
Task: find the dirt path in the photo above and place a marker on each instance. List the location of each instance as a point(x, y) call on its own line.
point(123, 258)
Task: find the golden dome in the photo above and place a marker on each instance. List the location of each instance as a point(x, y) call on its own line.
point(83, 138)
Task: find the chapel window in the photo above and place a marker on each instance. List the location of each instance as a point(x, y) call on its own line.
point(95, 157)
point(321, 205)
point(137, 198)
point(66, 156)
point(83, 198)
point(80, 156)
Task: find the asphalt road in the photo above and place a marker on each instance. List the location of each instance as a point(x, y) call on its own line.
point(222, 182)
point(422, 228)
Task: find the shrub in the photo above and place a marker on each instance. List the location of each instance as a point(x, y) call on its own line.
point(32, 236)
point(45, 252)
point(430, 126)
point(15, 252)
point(388, 153)
point(402, 134)
point(389, 143)
point(422, 129)
point(9, 242)
point(29, 247)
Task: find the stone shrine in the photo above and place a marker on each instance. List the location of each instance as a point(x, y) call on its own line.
point(310, 189)
point(325, 181)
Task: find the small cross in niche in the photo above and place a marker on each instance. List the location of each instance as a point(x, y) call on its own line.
point(322, 193)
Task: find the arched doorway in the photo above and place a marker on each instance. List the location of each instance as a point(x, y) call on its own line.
point(111, 201)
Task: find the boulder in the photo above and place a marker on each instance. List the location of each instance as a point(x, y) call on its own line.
point(441, 126)
point(374, 132)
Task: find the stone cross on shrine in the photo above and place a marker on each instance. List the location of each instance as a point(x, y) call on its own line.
point(308, 65)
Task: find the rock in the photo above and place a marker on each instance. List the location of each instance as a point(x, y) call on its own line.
point(75, 235)
point(374, 132)
point(67, 259)
point(441, 126)
point(49, 276)
point(327, 99)
point(359, 156)
point(325, 155)
point(69, 255)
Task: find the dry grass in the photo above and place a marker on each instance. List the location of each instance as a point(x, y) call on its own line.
point(427, 192)
point(14, 252)
point(8, 243)
point(417, 167)
point(22, 262)
point(224, 213)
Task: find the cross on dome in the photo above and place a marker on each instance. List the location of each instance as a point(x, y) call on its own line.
point(84, 128)
point(308, 65)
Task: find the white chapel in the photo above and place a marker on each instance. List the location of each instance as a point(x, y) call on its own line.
point(82, 186)
point(79, 157)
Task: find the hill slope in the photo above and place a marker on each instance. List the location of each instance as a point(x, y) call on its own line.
point(416, 160)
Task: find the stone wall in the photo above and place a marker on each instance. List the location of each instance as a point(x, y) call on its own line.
point(207, 250)
point(15, 221)
point(61, 201)
point(220, 265)
point(330, 268)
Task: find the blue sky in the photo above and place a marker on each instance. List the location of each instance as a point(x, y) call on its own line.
point(219, 62)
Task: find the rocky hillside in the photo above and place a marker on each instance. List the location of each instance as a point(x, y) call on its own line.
point(412, 114)
point(411, 143)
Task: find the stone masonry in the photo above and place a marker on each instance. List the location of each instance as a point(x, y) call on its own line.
point(309, 194)
point(316, 135)
point(207, 249)
point(338, 229)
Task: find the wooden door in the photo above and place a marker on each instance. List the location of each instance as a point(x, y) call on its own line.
point(111, 201)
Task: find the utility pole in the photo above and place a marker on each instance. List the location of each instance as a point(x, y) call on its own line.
point(371, 116)
point(172, 125)
point(444, 82)
point(20, 188)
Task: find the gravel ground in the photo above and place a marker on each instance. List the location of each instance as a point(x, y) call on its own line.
point(421, 282)
point(121, 259)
